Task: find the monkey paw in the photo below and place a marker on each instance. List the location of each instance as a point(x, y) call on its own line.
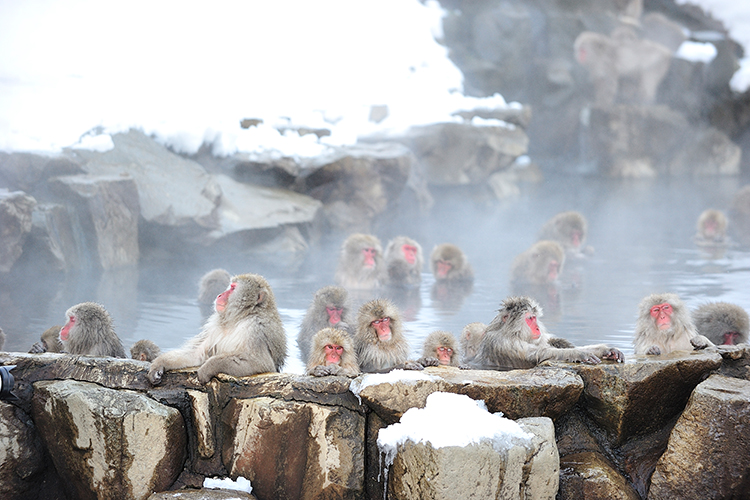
point(155, 374)
point(322, 371)
point(412, 365)
point(205, 375)
point(428, 361)
point(614, 355)
point(700, 342)
point(37, 348)
point(654, 350)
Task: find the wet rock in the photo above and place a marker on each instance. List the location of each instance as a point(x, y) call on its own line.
point(15, 225)
point(736, 361)
point(709, 152)
point(641, 395)
point(294, 450)
point(203, 494)
point(106, 213)
point(518, 469)
point(707, 456)
point(547, 392)
point(107, 443)
point(52, 242)
point(589, 475)
point(21, 454)
point(28, 171)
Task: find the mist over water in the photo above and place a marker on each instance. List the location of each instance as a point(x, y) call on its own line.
point(641, 231)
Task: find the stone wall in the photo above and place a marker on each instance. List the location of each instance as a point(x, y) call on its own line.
point(672, 426)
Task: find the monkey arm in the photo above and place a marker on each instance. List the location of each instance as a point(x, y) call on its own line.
point(604, 351)
point(180, 358)
point(575, 355)
point(428, 361)
point(701, 342)
point(236, 364)
point(37, 348)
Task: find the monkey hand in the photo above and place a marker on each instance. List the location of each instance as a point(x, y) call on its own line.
point(206, 373)
point(37, 348)
point(614, 355)
point(428, 361)
point(464, 367)
point(412, 365)
point(654, 350)
point(591, 360)
point(700, 342)
point(324, 371)
point(155, 373)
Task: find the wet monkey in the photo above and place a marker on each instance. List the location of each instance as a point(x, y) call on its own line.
point(89, 330)
point(360, 265)
point(379, 342)
point(449, 263)
point(440, 348)
point(144, 350)
point(471, 337)
point(332, 354)
point(711, 227)
point(664, 325)
point(49, 341)
point(403, 262)
point(540, 264)
point(330, 308)
point(212, 284)
point(569, 229)
point(244, 335)
point(722, 323)
point(516, 338)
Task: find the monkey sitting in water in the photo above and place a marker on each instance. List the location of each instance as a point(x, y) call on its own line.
point(332, 353)
point(89, 331)
point(664, 325)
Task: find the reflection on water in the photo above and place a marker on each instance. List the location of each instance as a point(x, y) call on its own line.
point(641, 232)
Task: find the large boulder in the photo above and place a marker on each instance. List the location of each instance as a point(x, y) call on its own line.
point(109, 443)
point(590, 475)
point(53, 243)
point(707, 456)
point(22, 456)
point(15, 225)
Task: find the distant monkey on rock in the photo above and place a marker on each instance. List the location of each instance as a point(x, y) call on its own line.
point(403, 262)
point(516, 338)
point(449, 263)
point(360, 265)
point(332, 354)
point(144, 350)
point(89, 331)
point(711, 228)
point(330, 308)
point(440, 348)
point(540, 264)
point(722, 323)
point(568, 229)
point(664, 325)
point(379, 342)
point(244, 335)
point(212, 284)
point(49, 342)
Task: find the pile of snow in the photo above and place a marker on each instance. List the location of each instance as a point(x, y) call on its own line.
point(392, 377)
point(226, 483)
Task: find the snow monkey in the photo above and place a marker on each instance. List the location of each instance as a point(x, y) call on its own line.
point(49, 341)
point(471, 337)
point(664, 325)
point(568, 229)
point(540, 264)
point(144, 350)
point(212, 284)
point(330, 308)
point(403, 262)
point(332, 354)
point(379, 343)
point(516, 338)
point(244, 335)
point(449, 263)
point(722, 323)
point(440, 348)
point(711, 228)
point(89, 331)
point(360, 265)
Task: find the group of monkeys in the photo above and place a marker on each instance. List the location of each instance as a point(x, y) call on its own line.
point(244, 335)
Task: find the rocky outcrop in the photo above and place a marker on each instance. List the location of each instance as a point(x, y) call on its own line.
point(15, 225)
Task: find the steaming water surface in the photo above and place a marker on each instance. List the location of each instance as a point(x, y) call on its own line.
point(641, 232)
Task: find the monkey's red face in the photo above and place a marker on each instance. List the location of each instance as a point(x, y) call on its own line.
point(662, 315)
point(710, 227)
point(730, 338)
point(333, 353)
point(444, 355)
point(410, 253)
point(553, 270)
point(223, 298)
point(368, 256)
point(383, 328)
point(334, 314)
point(443, 268)
point(575, 239)
point(65, 330)
point(533, 326)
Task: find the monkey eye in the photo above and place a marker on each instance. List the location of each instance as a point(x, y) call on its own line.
point(442, 350)
point(381, 320)
point(331, 347)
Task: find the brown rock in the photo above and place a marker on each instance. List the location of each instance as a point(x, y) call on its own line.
point(589, 475)
point(203, 494)
point(21, 454)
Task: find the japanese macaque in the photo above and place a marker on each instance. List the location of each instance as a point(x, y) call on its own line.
point(403, 262)
point(622, 58)
point(379, 342)
point(711, 228)
point(664, 325)
point(244, 335)
point(471, 337)
point(144, 350)
point(540, 264)
point(332, 354)
point(49, 342)
point(449, 263)
point(440, 348)
point(722, 323)
point(360, 265)
point(516, 338)
point(89, 331)
point(212, 284)
point(568, 229)
point(330, 308)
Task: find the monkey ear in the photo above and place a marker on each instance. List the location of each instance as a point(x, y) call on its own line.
point(261, 297)
point(505, 317)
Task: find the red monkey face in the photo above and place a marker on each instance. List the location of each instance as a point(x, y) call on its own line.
point(553, 270)
point(368, 254)
point(410, 253)
point(730, 338)
point(443, 268)
point(444, 355)
point(575, 239)
point(65, 330)
point(661, 313)
point(533, 326)
point(334, 314)
point(333, 353)
point(223, 298)
point(383, 328)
